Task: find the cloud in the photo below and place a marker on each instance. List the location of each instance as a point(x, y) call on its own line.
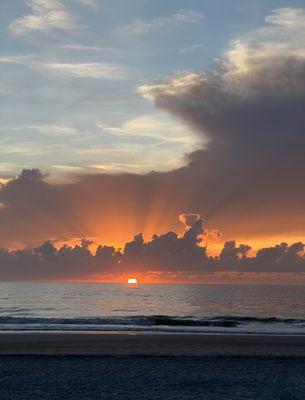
point(44, 129)
point(102, 49)
point(25, 149)
point(163, 254)
point(189, 16)
point(92, 70)
point(84, 70)
point(194, 220)
point(247, 180)
point(189, 220)
point(156, 127)
point(46, 16)
point(211, 235)
point(16, 59)
point(91, 3)
point(139, 27)
point(251, 109)
point(288, 17)
point(281, 39)
point(194, 48)
point(66, 168)
point(6, 168)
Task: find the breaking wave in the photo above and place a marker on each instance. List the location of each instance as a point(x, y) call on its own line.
point(156, 323)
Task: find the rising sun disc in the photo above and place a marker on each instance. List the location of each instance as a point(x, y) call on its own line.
point(133, 281)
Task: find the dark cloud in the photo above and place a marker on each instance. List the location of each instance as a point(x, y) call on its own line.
point(254, 165)
point(35, 210)
point(251, 108)
point(165, 253)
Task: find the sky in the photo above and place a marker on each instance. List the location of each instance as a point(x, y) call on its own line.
point(71, 71)
point(119, 117)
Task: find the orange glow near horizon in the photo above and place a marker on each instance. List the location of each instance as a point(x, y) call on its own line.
point(161, 277)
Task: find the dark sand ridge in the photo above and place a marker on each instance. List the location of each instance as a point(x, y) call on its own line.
point(150, 344)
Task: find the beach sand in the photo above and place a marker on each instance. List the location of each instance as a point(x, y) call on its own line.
point(120, 366)
point(150, 344)
point(151, 378)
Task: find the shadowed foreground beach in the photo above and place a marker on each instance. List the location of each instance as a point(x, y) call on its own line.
point(140, 377)
point(69, 366)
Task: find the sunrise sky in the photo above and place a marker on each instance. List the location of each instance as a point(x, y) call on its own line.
point(120, 117)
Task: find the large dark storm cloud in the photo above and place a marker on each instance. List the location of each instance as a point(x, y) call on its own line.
point(252, 110)
point(247, 182)
point(253, 169)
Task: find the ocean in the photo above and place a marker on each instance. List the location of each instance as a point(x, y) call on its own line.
point(98, 307)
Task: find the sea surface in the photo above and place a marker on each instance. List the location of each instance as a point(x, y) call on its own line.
point(152, 308)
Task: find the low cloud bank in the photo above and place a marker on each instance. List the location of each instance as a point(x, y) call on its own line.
point(166, 253)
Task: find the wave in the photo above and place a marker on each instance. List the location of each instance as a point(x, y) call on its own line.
point(152, 321)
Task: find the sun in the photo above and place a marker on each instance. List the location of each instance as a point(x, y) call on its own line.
point(133, 281)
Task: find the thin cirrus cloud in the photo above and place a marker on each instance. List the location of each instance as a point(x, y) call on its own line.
point(103, 49)
point(195, 48)
point(94, 70)
point(90, 70)
point(156, 127)
point(7, 167)
point(44, 129)
point(90, 3)
point(66, 168)
point(139, 27)
point(45, 16)
point(115, 167)
point(17, 59)
point(24, 149)
point(288, 16)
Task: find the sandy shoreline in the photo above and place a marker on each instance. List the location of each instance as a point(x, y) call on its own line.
point(43, 343)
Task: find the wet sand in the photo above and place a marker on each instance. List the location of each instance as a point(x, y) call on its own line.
point(107, 344)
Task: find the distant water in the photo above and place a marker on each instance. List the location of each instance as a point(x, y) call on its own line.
point(152, 308)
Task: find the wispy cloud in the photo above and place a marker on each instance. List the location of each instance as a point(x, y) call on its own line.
point(23, 149)
point(29, 147)
point(94, 70)
point(102, 49)
point(7, 167)
point(190, 16)
point(16, 59)
point(181, 16)
point(288, 17)
point(155, 127)
point(46, 15)
point(44, 129)
point(114, 167)
point(66, 168)
point(90, 3)
point(194, 48)
point(85, 70)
